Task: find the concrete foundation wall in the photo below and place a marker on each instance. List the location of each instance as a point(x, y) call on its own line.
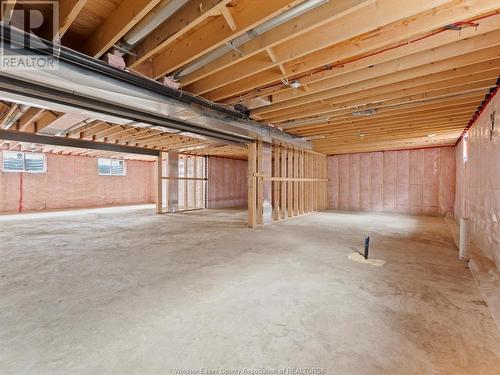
point(73, 182)
point(478, 182)
point(227, 183)
point(419, 182)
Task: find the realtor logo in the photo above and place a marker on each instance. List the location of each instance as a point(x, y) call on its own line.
point(39, 20)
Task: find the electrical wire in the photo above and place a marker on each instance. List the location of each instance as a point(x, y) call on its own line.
point(472, 23)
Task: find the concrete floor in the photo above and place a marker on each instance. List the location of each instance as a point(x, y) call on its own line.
point(125, 291)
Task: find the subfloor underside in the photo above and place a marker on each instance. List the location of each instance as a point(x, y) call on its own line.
point(125, 291)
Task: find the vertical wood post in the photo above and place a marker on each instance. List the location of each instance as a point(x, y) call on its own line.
point(296, 184)
point(276, 184)
point(291, 183)
point(283, 208)
point(260, 185)
point(185, 174)
point(195, 182)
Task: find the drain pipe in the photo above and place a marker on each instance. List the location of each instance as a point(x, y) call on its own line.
point(249, 35)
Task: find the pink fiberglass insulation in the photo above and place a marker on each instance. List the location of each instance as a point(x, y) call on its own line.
point(365, 189)
point(420, 182)
point(74, 182)
point(227, 182)
point(478, 181)
point(354, 181)
point(343, 187)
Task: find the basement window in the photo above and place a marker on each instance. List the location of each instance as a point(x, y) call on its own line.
point(111, 167)
point(14, 161)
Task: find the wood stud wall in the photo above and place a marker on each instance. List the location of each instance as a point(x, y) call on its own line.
point(192, 183)
point(299, 182)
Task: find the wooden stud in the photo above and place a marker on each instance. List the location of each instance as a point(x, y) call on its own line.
point(283, 174)
point(301, 175)
point(194, 182)
point(276, 184)
point(260, 185)
point(296, 209)
point(290, 183)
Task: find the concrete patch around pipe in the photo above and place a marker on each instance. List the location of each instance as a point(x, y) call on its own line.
point(356, 257)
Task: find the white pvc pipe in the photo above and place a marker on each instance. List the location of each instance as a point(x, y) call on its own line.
point(464, 239)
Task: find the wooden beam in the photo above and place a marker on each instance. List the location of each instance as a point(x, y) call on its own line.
point(412, 66)
point(95, 128)
point(312, 51)
point(7, 7)
point(427, 86)
point(68, 11)
point(365, 130)
point(412, 97)
point(387, 110)
point(128, 13)
point(186, 18)
point(439, 71)
point(312, 19)
point(113, 129)
point(247, 14)
point(486, 35)
point(29, 117)
point(45, 119)
point(353, 123)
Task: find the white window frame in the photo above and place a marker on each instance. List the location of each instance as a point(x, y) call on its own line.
point(24, 162)
point(111, 167)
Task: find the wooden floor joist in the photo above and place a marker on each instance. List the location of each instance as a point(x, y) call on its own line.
point(418, 68)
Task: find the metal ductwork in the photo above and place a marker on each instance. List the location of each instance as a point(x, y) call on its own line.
point(62, 124)
point(152, 20)
point(15, 116)
point(91, 88)
point(249, 35)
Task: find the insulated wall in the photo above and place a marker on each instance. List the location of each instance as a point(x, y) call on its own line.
point(227, 182)
point(478, 181)
point(419, 182)
point(74, 182)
